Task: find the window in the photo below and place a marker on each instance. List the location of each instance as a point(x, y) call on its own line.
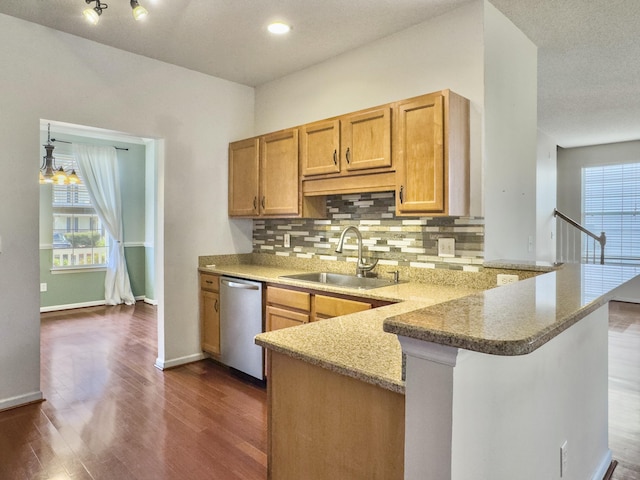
point(79, 239)
point(611, 204)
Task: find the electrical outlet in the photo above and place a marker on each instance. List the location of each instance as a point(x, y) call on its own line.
point(43, 287)
point(287, 240)
point(563, 459)
point(446, 247)
point(504, 279)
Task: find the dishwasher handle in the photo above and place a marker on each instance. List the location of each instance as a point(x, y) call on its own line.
point(245, 286)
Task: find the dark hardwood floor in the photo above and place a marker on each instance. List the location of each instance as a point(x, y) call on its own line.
point(110, 414)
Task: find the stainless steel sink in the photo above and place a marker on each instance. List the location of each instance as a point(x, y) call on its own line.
point(341, 280)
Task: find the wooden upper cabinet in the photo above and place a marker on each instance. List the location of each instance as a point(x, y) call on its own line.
point(264, 177)
point(244, 168)
point(431, 151)
point(366, 139)
point(347, 144)
point(320, 147)
point(279, 173)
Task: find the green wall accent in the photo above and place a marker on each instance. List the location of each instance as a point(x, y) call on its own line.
point(150, 272)
point(135, 257)
point(83, 287)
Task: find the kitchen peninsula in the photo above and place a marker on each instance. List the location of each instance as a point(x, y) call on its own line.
point(496, 381)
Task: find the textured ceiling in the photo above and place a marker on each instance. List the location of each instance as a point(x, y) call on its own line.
point(589, 68)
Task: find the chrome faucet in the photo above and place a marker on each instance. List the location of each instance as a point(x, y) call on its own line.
point(361, 267)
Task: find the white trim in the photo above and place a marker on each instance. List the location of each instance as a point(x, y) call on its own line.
point(176, 362)
point(70, 306)
point(20, 400)
point(49, 246)
point(603, 467)
point(433, 352)
point(148, 244)
point(63, 270)
point(91, 132)
point(150, 301)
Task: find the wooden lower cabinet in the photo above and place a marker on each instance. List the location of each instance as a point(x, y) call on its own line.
point(286, 308)
point(327, 307)
point(210, 313)
point(278, 318)
point(323, 425)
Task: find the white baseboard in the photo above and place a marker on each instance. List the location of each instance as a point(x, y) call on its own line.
point(603, 467)
point(176, 362)
point(69, 306)
point(95, 303)
point(20, 400)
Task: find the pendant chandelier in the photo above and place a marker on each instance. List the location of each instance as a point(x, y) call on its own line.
point(93, 14)
point(48, 171)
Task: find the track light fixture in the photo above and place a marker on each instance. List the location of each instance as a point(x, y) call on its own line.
point(93, 14)
point(139, 12)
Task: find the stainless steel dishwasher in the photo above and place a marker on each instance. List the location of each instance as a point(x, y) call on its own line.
point(240, 322)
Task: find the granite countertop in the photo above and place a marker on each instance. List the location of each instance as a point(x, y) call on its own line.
point(514, 319)
point(518, 318)
point(354, 345)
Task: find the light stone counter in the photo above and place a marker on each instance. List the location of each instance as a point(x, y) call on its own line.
point(511, 320)
point(515, 319)
point(354, 345)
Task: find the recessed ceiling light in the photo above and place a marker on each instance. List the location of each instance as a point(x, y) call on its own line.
point(279, 28)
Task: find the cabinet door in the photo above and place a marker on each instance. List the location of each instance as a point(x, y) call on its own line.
point(327, 307)
point(419, 149)
point(210, 321)
point(278, 318)
point(320, 147)
point(243, 178)
point(279, 181)
point(366, 139)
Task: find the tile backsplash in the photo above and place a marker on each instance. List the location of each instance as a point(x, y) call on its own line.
point(401, 241)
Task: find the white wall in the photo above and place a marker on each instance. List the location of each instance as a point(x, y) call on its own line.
point(445, 52)
point(53, 75)
point(546, 179)
point(571, 161)
point(569, 187)
point(510, 124)
point(523, 408)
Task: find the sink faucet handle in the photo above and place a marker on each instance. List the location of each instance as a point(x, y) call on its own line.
point(367, 267)
point(396, 276)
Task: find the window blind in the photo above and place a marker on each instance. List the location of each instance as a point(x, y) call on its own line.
point(611, 204)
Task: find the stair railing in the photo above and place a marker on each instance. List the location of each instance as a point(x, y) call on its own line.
point(601, 239)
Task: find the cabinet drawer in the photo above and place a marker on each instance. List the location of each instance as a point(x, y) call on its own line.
point(278, 318)
point(327, 307)
point(209, 282)
point(289, 298)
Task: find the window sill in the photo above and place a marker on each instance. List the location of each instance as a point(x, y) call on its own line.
point(58, 271)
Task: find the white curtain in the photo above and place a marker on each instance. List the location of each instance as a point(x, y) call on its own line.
point(99, 170)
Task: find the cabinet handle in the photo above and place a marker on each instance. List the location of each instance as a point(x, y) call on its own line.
point(335, 157)
point(208, 281)
point(263, 202)
point(215, 305)
point(348, 155)
point(255, 202)
point(401, 194)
